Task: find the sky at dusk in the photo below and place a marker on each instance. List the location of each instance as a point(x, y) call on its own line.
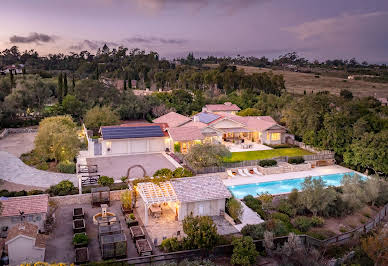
point(315, 29)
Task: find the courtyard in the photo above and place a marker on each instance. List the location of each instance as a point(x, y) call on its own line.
point(117, 166)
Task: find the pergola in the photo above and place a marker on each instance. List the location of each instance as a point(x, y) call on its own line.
point(152, 193)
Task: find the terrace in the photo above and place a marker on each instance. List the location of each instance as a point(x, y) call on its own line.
point(266, 154)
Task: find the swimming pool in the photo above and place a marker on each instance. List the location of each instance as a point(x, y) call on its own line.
point(281, 186)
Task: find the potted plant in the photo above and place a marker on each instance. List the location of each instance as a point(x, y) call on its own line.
point(126, 202)
point(130, 219)
point(80, 240)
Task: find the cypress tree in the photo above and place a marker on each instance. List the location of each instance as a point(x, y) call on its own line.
point(125, 85)
point(97, 73)
point(60, 88)
point(65, 89)
point(11, 79)
point(73, 82)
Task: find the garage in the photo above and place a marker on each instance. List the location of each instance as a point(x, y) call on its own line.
point(139, 146)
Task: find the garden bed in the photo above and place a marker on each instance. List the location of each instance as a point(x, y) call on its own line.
point(137, 232)
point(81, 255)
point(79, 226)
point(143, 247)
point(78, 213)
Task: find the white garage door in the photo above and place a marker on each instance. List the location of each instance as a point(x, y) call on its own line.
point(138, 146)
point(157, 145)
point(119, 147)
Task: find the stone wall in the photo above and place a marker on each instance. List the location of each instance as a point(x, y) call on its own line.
point(82, 198)
point(284, 168)
point(8, 131)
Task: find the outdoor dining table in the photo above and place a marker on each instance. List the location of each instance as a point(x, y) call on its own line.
point(156, 211)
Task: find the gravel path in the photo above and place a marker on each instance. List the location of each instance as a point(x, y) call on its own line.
point(12, 169)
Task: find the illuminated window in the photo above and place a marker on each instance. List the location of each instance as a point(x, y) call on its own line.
point(268, 136)
point(275, 136)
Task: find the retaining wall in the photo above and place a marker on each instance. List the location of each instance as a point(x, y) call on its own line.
point(82, 198)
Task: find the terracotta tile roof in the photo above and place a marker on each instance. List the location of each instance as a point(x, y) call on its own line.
point(259, 123)
point(172, 119)
point(185, 133)
point(222, 107)
point(200, 188)
point(195, 124)
point(29, 230)
point(28, 205)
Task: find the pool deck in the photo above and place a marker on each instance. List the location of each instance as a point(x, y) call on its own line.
point(323, 170)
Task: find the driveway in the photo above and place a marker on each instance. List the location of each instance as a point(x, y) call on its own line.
point(17, 144)
point(117, 166)
point(12, 169)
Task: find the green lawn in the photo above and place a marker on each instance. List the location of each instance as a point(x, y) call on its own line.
point(267, 154)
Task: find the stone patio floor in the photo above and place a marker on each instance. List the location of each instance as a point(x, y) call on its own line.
point(59, 247)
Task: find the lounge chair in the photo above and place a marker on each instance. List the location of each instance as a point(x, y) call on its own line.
point(256, 171)
point(247, 172)
point(240, 172)
point(230, 174)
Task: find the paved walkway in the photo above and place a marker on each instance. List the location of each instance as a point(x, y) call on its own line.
point(319, 171)
point(12, 169)
point(19, 143)
point(248, 217)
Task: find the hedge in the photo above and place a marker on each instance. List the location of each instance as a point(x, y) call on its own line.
point(268, 163)
point(296, 160)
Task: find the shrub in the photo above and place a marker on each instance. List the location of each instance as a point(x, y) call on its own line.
point(268, 163)
point(163, 172)
point(281, 216)
point(317, 221)
point(278, 227)
point(244, 251)
point(320, 234)
point(343, 229)
point(35, 192)
point(80, 239)
point(63, 188)
point(126, 199)
point(42, 166)
point(234, 209)
point(285, 207)
point(266, 200)
point(177, 147)
point(302, 223)
point(171, 245)
point(255, 205)
point(201, 232)
point(66, 167)
point(296, 160)
point(182, 172)
point(293, 197)
point(256, 231)
point(105, 180)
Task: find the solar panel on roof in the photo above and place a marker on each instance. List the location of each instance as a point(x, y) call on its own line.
point(131, 132)
point(207, 117)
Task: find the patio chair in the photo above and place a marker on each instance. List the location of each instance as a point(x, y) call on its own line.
point(240, 172)
point(256, 171)
point(245, 170)
point(230, 174)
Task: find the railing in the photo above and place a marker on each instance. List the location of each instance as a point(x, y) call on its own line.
point(84, 168)
point(228, 249)
point(89, 180)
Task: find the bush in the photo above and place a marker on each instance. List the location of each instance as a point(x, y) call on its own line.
point(63, 188)
point(105, 180)
point(317, 221)
point(278, 227)
point(201, 232)
point(42, 166)
point(302, 223)
point(320, 234)
point(255, 205)
point(293, 197)
point(296, 160)
point(268, 163)
point(177, 147)
point(165, 172)
point(343, 229)
point(256, 231)
point(182, 172)
point(171, 245)
point(244, 251)
point(35, 192)
point(286, 208)
point(80, 239)
point(281, 216)
point(234, 209)
point(66, 167)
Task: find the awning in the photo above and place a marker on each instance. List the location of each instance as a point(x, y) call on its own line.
point(235, 130)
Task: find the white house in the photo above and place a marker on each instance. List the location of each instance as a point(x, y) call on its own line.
point(134, 139)
point(25, 245)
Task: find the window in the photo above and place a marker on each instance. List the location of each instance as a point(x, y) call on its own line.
point(275, 136)
point(268, 136)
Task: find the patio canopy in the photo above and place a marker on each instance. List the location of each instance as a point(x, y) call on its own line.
point(152, 193)
point(235, 130)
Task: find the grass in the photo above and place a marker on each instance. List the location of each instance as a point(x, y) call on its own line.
point(267, 154)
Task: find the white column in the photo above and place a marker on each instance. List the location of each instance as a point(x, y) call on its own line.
point(145, 214)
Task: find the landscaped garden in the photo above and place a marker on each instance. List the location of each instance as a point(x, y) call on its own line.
point(266, 154)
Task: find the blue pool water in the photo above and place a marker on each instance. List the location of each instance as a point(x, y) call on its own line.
point(282, 186)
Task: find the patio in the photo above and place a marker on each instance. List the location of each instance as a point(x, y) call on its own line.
point(246, 146)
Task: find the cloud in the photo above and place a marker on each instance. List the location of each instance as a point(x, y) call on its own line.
point(228, 7)
point(34, 37)
point(92, 45)
point(154, 40)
